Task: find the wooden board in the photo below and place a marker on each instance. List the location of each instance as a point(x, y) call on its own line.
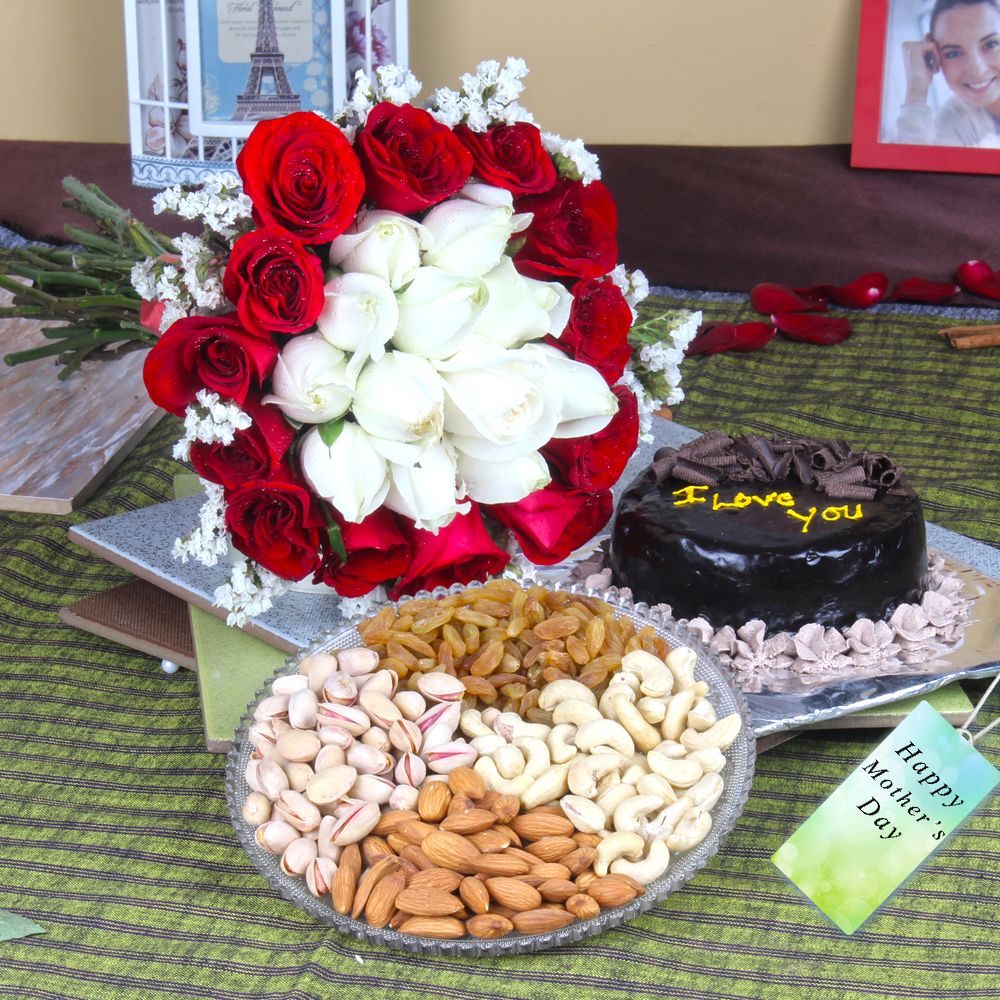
point(61, 439)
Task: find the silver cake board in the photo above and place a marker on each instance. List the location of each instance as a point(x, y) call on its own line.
point(141, 542)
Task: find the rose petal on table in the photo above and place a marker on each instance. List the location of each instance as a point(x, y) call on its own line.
point(813, 329)
point(914, 289)
point(978, 277)
point(861, 293)
point(769, 298)
point(712, 338)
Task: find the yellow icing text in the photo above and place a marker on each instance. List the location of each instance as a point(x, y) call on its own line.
point(692, 494)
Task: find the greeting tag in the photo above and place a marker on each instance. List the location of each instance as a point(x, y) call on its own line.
point(916, 787)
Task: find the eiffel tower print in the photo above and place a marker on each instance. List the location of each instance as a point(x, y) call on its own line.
point(266, 60)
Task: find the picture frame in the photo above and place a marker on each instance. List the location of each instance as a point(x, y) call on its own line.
point(891, 131)
point(173, 140)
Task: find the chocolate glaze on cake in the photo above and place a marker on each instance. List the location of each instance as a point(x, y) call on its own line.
point(790, 531)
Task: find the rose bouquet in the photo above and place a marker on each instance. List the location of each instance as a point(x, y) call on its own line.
point(406, 343)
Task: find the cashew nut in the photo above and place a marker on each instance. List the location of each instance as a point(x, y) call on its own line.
point(680, 773)
point(607, 781)
point(536, 754)
point(706, 791)
point(471, 723)
point(612, 693)
point(701, 689)
point(575, 712)
point(721, 735)
point(585, 815)
point(662, 825)
point(711, 759)
point(560, 741)
point(676, 718)
point(490, 715)
point(633, 812)
point(605, 733)
point(610, 800)
point(645, 736)
point(653, 710)
point(650, 868)
point(487, 744)
point(585, 771)
point(669, 748)
point(681, 663)
point(495, 782)
point(656, 784)
point(655, 679)
point(547, 787)
point(635, 771)
point(509, 761)
point(615, 846)
point(691, 830)
point(701, 716)
point(565, 689)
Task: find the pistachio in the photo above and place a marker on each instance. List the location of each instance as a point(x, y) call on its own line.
point(298, 855)
point(331, 784)
point(357, 660)
point(379, 708)
point(302, 709)
point(325, 846)
point(377, 738)
point(289, 684)
point(381, 682)
point(256, 808)
point(297, 810)
point(335, 736)
point(340, 689)
point(262, 732)
point(319, 876)
point(329, 756)
point(348, 717)
point(435, 736)
point(411, 704)
point(411, 770)
point(271, 778)
point(406, 736)
point(373, 788)
point(298, 775)
point(404, 797)
point(317, 668)
point(368, 760)
point(441, 687)
point(298, 745)
point(448, 756)
point(276, 835)
point(443, 713)
point(356, 823)
point(276, 706)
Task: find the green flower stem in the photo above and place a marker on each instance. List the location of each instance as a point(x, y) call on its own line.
point(92, 337)
point(55, 278)
point(92, 240)
point(22, 291)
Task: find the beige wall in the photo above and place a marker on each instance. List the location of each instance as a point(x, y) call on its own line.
point(694, 72)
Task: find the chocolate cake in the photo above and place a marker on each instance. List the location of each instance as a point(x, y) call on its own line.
point(787, 530)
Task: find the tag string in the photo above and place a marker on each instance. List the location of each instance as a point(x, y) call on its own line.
point(964, 731)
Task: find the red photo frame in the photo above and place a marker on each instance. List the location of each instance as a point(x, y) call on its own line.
point(871, 145)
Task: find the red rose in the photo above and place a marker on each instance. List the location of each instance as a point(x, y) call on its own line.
point(572, 234)
point(410, 160)
point(277, 524)
point(550, 523)
point(254, 456)
point(275, 283)
point(460, 552)
point(597, 331)
point(597, 461)
point(301, 174)
point(206, 352)
point(511, 157)
point(377, 552)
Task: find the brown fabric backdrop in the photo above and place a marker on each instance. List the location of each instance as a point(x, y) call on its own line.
point(693, 217)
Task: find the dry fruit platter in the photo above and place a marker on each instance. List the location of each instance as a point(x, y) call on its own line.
point(491, 769)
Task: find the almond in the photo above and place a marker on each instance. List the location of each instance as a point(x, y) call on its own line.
point(529, 859)
point(579, 860)
point(587, 839)
point(551, 869)
point(436, 878)
point(514, 893)
point(582, 906)
point(345, 878)
point(473, 821)
point(539, 921)
point(633, 883)
point(390, 822)
point(584, 879)
point(461, 804)
point(536, 825)
point(422, 902)
point(488, 926)
point(368, 882)
point(501, 864)
point(610, 892)
point(414, 830)
point(400, 917)
point(415, 856)
point(505, 807)
point(449, 850)
point(434, 927)
point(557, 890)
point(490, 840)
point(533, 880)
point(474, 894)
point(381, 904)
point(396, 842)
point(466, 781)
point(373, 849)
point(433, 801)
point(552, 848)
point(508, 831)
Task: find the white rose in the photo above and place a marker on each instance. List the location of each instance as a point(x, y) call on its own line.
point(399, 401)
point(588, 403)
point(437, 312)
point(427, 491)
point(498, 404)
point(521, 309)
point(359, 316)
point(471, 231)
point(350, 473)
point(385, 244)
point(310, 382)
point(503, 482)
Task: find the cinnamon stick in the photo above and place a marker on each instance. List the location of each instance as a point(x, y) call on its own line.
point(964, 338)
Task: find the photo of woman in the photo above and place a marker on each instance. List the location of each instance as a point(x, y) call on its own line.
point(943, 73)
